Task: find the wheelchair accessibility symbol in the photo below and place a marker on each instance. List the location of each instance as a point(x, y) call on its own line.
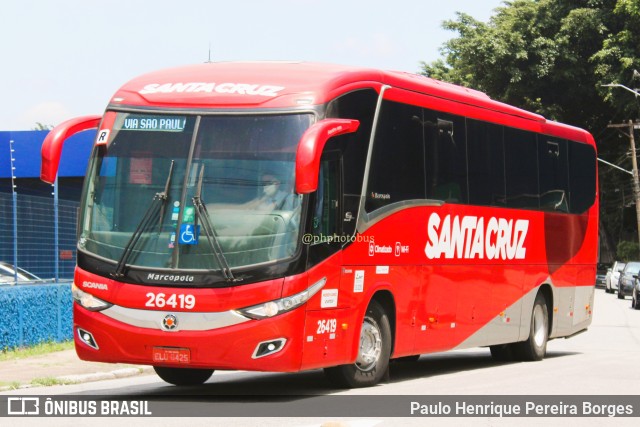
point(189, 234)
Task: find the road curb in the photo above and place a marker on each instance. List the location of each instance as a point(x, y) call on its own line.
point(101, 376)
point(91, 377)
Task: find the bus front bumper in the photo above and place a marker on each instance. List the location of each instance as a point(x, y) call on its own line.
point(273, 344)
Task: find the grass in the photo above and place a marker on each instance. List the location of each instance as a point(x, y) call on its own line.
point(49, 381)
point(36, 350)
point(13, 385)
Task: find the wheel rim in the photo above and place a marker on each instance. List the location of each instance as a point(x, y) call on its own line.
point(539, 326)
point(370, 345)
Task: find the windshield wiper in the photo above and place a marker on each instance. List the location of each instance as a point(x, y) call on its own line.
point(207, 226)
point(156, 208)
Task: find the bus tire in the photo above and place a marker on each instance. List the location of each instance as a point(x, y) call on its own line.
point(183, 376)
point(535, 347)
point(374, 351)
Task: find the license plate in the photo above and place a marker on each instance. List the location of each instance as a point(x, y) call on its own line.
point(171, 355)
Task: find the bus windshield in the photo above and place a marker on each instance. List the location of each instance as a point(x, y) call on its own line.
point(194, 192)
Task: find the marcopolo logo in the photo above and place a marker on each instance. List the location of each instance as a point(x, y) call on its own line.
point(471, 237)
point(170, 278)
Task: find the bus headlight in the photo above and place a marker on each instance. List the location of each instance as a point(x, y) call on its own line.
point(282, 305)
point(87, 300)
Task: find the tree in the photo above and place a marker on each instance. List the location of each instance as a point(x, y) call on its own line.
point(628, 251)
point(41, 126)
point(552, 57)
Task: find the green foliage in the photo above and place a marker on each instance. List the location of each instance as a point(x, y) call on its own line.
point(35, 350)
point(548, 56)
point(628, 251)
point(50, 381)
point(552, 57)
point(42, 126)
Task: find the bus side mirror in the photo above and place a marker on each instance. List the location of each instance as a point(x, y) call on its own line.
point(53, 142)
point(310, 149)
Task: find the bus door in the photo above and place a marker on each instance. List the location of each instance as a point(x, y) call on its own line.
point(325, 337)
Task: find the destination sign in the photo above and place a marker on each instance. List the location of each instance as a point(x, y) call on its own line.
point(155, 123)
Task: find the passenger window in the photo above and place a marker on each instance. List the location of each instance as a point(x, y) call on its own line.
point(445, 157)
point(397, 165)
point(554, 174)
point(486, 164)
point(521, 158)
point(582, 176)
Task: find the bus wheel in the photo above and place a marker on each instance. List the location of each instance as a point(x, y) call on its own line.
point(535, 347)
point(183, 376)
point(373, 354)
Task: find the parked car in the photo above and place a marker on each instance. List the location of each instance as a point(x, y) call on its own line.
point(601, 279)
point(635, 295)
point(628, 279)
point(8, 274)
point(612, 283)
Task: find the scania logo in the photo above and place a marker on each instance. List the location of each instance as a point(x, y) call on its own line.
point(170, 322)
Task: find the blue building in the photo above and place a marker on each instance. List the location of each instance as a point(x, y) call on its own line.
point(26, 155)
point(35, 233)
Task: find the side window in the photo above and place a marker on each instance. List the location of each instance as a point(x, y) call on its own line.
point(397, 165)
point(486, 163)
point(326, 210)
point(582, 176)
point(326, 228)
point(554, 174)
point(521, 159)
point(359, 105)
point(445, 156)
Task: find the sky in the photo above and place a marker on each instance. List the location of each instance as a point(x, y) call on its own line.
point(66, 58)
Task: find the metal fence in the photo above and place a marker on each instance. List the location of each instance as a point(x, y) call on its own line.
point(37, 234)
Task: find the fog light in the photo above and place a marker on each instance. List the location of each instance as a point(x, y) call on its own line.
point(87, 338)
point(267, 348)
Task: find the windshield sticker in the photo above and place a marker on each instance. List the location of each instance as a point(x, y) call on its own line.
point(103, 137)
point(189, 214)
point(155, 123)
point(189, 234)
point(141, 170)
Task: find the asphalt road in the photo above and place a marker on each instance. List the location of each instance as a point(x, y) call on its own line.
point(601, 362)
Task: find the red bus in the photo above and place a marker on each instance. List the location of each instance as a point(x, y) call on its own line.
point(295, 216)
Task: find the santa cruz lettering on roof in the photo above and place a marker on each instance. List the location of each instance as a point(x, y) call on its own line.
point(222, 88)
point(471, 237)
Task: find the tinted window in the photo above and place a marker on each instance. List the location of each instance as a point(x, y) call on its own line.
point(359, 105)
point(486, 164)
point(554, 174)
point(582, 176)
point(445, 157)
point(521, 158)
point(397, 169)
